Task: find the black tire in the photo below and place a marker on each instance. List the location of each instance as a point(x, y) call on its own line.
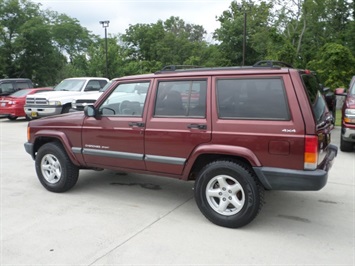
point(28, 118)
point(346, 145)
point(54, 169)
point(12, 118)
point(231, 182)
point(66, 109)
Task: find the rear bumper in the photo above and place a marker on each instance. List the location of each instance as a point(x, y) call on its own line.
point(14, 111)
point(297, 180)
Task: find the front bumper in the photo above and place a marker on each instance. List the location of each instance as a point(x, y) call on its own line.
point(348, 134)
point(42, 110)
point(297, 180)
point(29, 149)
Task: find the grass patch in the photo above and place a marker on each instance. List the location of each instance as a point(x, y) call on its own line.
point(338, 117)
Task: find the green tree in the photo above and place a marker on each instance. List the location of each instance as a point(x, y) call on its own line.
point(258, 30)
point(307, 25)
point(335, 65)
point(38, 44)
point(68, 35)
point(164, 43)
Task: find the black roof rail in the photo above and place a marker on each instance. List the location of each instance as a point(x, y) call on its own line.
point(271, 63)
point(171, 68)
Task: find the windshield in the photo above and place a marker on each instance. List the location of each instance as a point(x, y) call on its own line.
point(316, 98)
point(70, 85)
point(352, 89)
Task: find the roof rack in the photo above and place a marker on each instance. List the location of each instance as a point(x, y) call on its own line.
point(170, 68)
point(271, 63)
point(190, 68)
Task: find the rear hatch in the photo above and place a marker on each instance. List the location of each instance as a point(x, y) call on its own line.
point(319, 153)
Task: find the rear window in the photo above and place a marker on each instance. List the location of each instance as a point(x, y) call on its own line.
point(259, 99)
point(315, 97)
point(21, 93)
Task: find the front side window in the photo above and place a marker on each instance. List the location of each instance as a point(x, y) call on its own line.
point(259, 99)
point(93, 85)
point(22, 85)
point(127, 99)
point(186, 98)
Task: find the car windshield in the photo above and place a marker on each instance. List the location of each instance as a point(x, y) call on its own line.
point(352, 89)
point(70, 85)
point(20, 93)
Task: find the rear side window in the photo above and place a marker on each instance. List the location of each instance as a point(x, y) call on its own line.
point(185, 98)
point(259, 99)
point(23, 85)
point(316, 98)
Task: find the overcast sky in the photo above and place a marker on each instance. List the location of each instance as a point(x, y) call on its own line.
point(122, 13)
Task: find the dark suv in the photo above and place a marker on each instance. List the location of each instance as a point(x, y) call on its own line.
point(8, 86)
point(235, 131)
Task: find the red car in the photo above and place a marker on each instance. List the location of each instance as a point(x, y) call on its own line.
point(11, 106)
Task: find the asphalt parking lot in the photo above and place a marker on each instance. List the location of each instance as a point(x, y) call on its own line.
point(112, 218)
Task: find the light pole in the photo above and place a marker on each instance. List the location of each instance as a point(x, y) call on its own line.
point(244, 37)
point(105, 24)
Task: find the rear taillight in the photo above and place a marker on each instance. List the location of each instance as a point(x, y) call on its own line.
point(311, 153)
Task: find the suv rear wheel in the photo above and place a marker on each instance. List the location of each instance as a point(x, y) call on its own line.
point(54, 169)
point(228, 194)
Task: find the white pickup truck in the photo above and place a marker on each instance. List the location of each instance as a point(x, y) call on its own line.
point(59, 100)
point(129, 92)
point(80, 101)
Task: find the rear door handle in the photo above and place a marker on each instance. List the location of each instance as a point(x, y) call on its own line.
point(197, 126)
point(136, 124)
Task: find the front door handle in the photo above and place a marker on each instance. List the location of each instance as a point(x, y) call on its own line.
point(136, 124)
point(197, 126)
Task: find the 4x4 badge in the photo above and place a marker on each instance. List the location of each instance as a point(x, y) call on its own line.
point(289, 130)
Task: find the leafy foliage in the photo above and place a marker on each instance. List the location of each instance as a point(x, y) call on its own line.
point(47, 46)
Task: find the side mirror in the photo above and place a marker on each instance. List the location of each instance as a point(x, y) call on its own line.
point(90, 111)
point(340, 92)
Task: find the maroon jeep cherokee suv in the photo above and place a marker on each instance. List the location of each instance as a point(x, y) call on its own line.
point(235, 131)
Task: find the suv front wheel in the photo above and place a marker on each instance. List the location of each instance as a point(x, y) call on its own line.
point(54, 169)
point(228, 194)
